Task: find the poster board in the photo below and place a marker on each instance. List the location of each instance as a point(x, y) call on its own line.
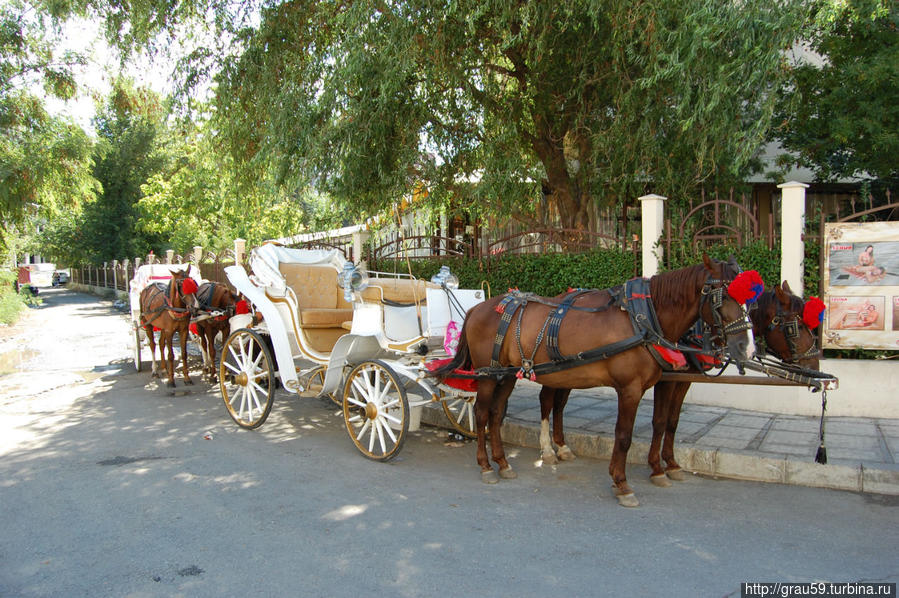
point(861, 285)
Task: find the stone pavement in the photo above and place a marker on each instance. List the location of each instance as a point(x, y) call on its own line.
point(862, 453)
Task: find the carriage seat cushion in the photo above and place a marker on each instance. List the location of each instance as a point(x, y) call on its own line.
point(317, 317)
point(321, 303)
point(398, 290)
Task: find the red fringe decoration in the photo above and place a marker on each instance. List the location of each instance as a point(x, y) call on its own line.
point(746, 287)
point(241, 307)
point(466, 384)
point(813, 312)
point(189, 286)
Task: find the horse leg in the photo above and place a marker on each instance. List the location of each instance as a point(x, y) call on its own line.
point(559, 401)
point(497, 413)
point(166, 338)
point(673, 469)
point(151, 340)
point(182, 337)
point(661, 401)
point(547, 397)
point(201, 335)
point(628, 400)
point(482, 407)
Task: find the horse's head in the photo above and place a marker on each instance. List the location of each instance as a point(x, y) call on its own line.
point(725, 294)
point(184, 290)
point(787, 323)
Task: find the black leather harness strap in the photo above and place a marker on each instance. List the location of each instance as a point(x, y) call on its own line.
point(555, 322)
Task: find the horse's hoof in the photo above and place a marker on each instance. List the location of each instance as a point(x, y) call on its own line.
point(189, 382)
point(628, 500)
point(508, 473)
point(677, 475)
point(170, 384)
point(489, 477)
point(565, 454)
point(660, 480)
point(549, 458)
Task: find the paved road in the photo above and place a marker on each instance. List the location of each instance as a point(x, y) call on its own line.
point(110, 486)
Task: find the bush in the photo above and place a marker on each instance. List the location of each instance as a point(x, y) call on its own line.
point(546, 274)
point(11, 305)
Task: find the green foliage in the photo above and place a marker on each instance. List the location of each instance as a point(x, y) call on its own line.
point(574, 102)
point(127, 155)
point(846, 120)
point(196, 199)
point(11, 305)
point(45, 164)
point(546, 274)
point(753, 256)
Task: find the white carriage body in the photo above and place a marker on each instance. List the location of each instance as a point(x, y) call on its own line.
point(151, 273)
point(309, 320)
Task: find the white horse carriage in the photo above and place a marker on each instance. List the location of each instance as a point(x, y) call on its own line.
point(323, 327)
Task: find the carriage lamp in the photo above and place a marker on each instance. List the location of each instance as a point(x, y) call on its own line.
point(352, 279)
point(446, 278)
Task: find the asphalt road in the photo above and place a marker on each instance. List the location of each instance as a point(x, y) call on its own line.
point(111, 486)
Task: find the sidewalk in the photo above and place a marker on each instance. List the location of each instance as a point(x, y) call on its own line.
point(862, 453)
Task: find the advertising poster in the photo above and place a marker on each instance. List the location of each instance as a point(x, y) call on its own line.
point(861, 285)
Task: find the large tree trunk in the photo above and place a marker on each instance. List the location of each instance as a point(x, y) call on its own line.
point(563, 189)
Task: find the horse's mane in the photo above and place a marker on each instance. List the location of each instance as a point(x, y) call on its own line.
point(676, 287)
point(770, 297)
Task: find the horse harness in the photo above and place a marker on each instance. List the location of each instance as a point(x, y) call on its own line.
point(789, 327)
point(634, 297)
point(177, 313)
point(204, 300)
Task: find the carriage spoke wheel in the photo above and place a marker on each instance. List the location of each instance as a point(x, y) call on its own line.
point(314, 387)
point(375, 410)
point(459, 410)
point(247, 378)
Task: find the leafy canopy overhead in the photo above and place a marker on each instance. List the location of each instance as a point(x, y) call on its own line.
point(505, 102)
point(846, 122)
point(45, 164)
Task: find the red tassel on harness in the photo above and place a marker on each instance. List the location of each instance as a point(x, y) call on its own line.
point(189, 286)
point(813, 312)
point(241, 307)
point(746, 287)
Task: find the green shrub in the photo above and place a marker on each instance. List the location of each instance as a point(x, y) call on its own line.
point(11, 305)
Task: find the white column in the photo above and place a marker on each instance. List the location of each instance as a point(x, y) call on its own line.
point(169, 256)
point(652, 216)
point(792, 234)
point(198, 254)
point(359, 237)
point(240, 247)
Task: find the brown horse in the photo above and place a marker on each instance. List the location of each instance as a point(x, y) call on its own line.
point(778, 319)
point(217, 299)
point(679, 298)
point(168, 307)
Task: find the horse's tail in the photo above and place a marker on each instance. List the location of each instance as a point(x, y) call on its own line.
point(460, 361)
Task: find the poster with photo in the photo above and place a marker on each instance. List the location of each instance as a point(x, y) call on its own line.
point(861, 285)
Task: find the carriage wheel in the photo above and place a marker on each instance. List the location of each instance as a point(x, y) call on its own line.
point(375, 410)
point(315, 384)
point(247, 378)
point(459, 410)
point(137, 342)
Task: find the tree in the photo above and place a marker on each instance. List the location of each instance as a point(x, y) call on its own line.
point(126, 157)
point(45, 162)
point(195, 199)
point(846, 122)
point(575, 101)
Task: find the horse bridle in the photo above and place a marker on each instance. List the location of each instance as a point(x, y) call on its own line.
point(714, 296)
point(179, 312)
point(790, 329)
